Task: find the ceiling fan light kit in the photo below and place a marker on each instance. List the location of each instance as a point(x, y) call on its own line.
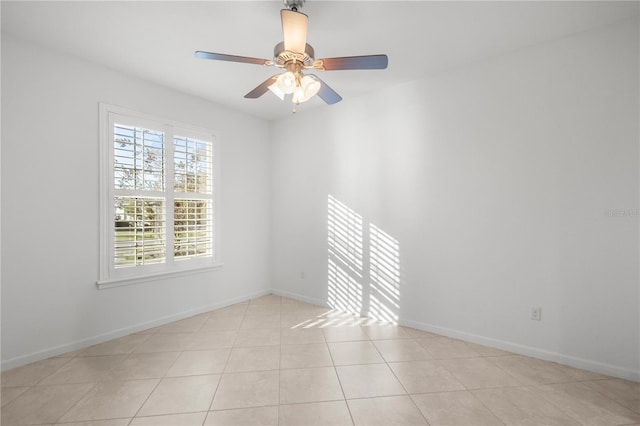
point(294, 55)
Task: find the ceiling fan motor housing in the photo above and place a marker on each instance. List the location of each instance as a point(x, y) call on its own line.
point(281, 57)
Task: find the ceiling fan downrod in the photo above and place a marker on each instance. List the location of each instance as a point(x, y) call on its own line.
point(293, 4)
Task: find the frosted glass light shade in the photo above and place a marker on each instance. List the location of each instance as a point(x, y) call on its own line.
point(276, 91)
point(286, 82)
point(308, 88)
point(310, 85)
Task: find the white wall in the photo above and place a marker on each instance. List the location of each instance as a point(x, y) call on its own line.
point(505, 185)
point(50, 210)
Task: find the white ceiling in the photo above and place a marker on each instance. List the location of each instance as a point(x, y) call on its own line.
point(156, 40)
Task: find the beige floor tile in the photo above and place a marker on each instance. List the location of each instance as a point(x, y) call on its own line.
point(85, 370)
point(187, 325)
point(111, 400)
point(203, 340)
point(268, 299)
point(386, 332)
point(9, 394)
point(351, 353)
point(186, 419)
point(305, 356)
point(166, 342)
point(384, 411)
point(301, 336)
point(181, 395)
point(417, 334)
point(309, 385)
point(191, 363)
point(332, 413)
point(144, 366)
point(257, 321)
point(121, 346)
point(478, 373)
point(344, 334)
point(580, 375)
point(522, 406)
point(446, 348)
point(235, 309)
point(307, 309)
point(258, 416)
point(487, 350)
point(110, 422)
point(586, 405)
point(32, 374)
point(251, 389)
point(340, 314)
point(43, 404)
point(453, 409)
point(258, 337)
point(222, 322)
point(371, 380)
point(263, 309)
point(341, 320)
point(425, 376)
point(298, 320)
point(308, 318)
point(75, 353)
point(531, 371)
point(253, 359)
point(401, 350)
point(624, 392)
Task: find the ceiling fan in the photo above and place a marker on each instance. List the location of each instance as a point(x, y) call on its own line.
point(294, 56)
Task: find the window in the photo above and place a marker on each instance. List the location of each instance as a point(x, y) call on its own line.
point(158, 198)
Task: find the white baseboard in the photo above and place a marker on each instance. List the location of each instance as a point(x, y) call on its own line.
point(101, 338)
point(584, 364)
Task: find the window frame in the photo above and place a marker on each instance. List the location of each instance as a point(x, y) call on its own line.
point(109, 275)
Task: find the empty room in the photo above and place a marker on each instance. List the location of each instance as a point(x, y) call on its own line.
point(320, 213)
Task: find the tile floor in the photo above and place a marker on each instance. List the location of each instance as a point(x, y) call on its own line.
point(275, 361)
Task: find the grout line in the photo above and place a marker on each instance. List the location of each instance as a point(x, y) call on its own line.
point(148, 396)
point(398, 379)
point(279, 363)
point(53, 372)
point(335, 370)
point(73, 406)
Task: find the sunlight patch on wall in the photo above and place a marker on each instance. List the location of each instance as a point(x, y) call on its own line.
point(345, 257)
point(363, 272)
point(384, 272)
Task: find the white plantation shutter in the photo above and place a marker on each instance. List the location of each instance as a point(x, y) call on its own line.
point(193, 228)
point(138, 158)
point(193, 161)
point(193, 211)
point(158, 201)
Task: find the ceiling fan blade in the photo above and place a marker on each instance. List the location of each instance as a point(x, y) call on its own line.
point(262, 88)
point(294, 29)
point(232, 58)
point(366, 62)
point(326, 93)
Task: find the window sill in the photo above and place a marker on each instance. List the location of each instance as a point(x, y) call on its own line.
point(119, 282)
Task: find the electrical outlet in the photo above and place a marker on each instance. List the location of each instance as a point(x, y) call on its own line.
point(536, 314)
